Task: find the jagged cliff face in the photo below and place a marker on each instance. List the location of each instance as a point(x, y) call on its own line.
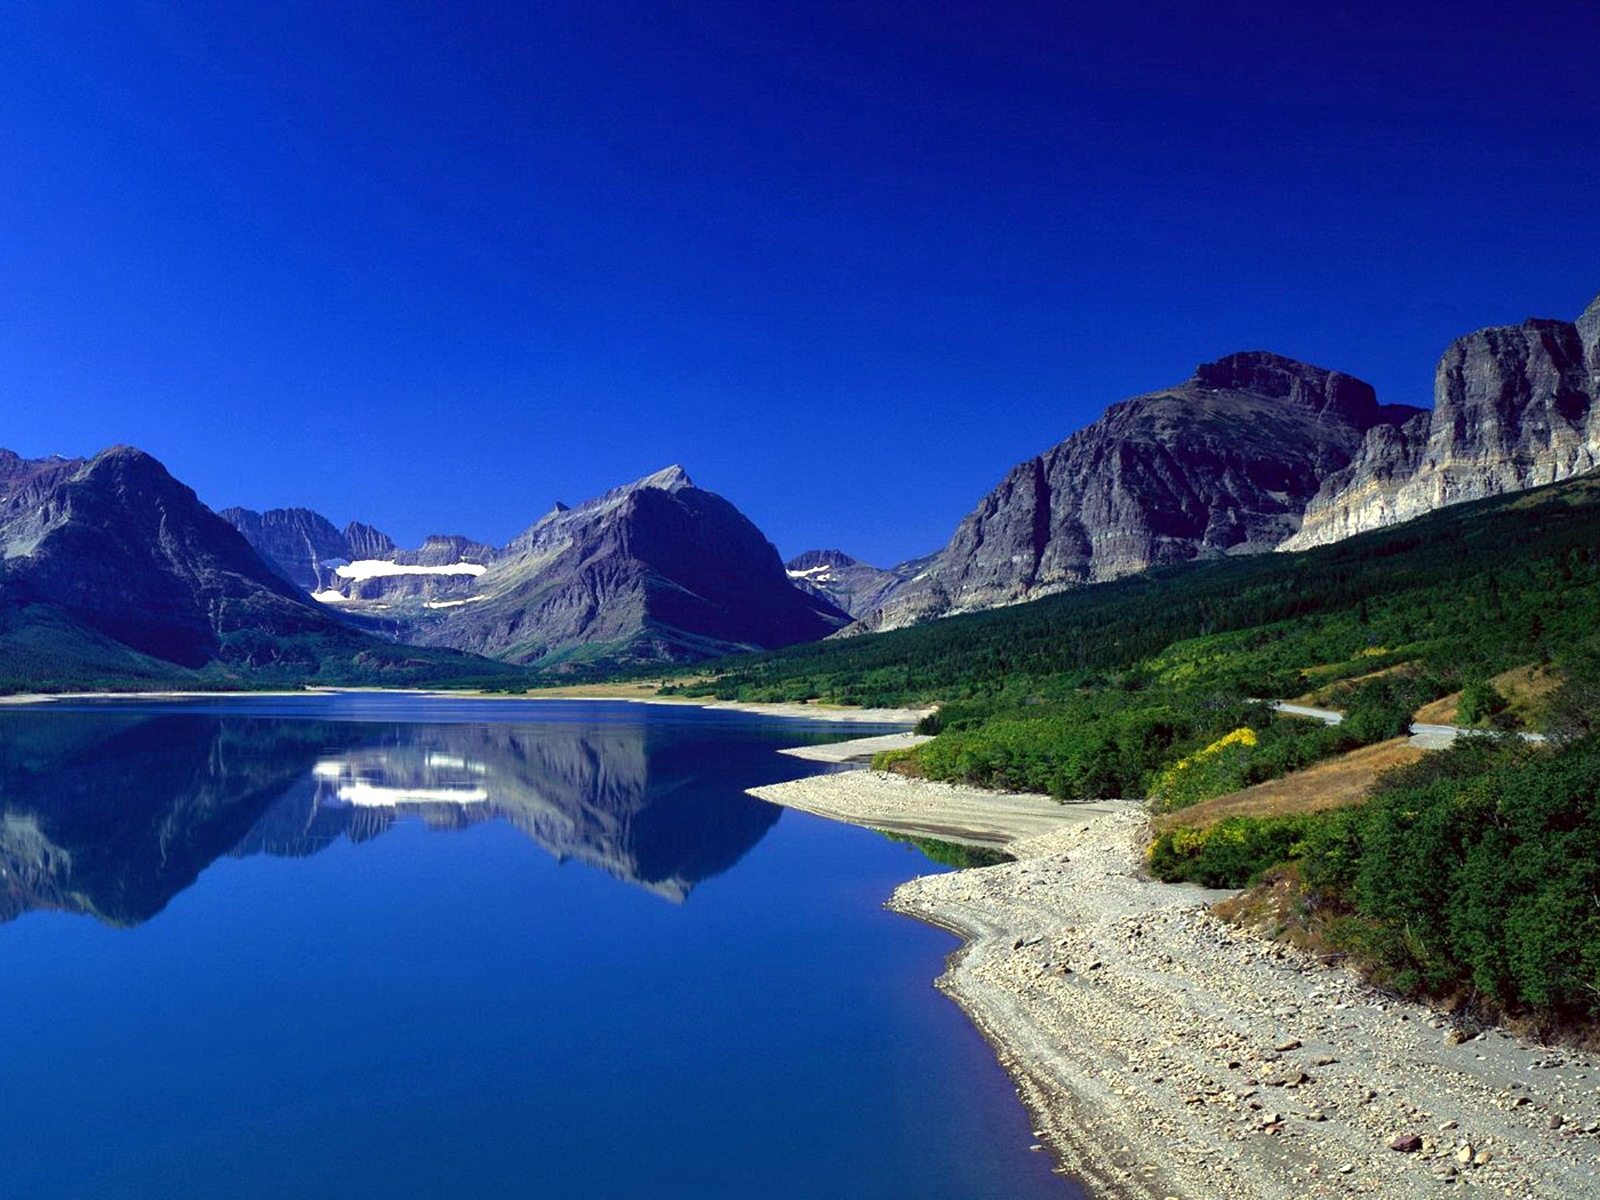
point(1222, 464)
point(1588, 327)
point(296, 541)
point(1514, 407)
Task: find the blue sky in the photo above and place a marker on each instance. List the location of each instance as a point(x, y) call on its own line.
point(434, 266)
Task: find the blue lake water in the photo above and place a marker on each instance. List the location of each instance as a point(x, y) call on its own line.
point(380, 946)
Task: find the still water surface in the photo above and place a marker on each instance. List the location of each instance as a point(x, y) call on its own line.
point(371, 946)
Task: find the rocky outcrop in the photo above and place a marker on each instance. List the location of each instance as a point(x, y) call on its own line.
point(333, 566)
point(1514, 407)
point(1222, 464)
point(363, 541)
point(656, 570)
point(848, 583)
point(1588, 327)
point(445, 549)
point(300, 544)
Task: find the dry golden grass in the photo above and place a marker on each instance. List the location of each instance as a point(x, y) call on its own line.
point(1527, 688)
point(625, 689)
point(1439, 712)
point(1332, 784)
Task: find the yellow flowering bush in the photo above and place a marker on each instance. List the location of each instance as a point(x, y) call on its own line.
point(1210, 772)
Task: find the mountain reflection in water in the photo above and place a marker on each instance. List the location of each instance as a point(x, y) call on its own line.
point(114, 813)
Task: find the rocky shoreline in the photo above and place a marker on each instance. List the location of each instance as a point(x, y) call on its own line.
point(1165, 1053)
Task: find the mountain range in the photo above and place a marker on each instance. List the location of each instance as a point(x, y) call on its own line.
point(114, 570)
point(655, 570)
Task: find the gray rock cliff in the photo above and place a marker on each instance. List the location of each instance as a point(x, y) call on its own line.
point(852, 585)
point(1221, 464)
point(1514, 407)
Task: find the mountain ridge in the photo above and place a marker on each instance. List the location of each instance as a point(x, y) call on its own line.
point(1219, 464)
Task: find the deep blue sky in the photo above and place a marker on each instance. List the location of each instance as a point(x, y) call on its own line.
point(434, 266)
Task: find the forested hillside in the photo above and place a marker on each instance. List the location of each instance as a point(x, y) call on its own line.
point(1100, 690)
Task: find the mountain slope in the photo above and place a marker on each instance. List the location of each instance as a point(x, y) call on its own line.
point(1513, 407)
point(848, 583)
point(656, 570)
point(1222, 464)
point(112, 568)
point(303, 545)
point(1470, 590)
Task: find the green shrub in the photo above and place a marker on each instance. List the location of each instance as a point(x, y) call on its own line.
point(1230, 854)
point(1479, 702)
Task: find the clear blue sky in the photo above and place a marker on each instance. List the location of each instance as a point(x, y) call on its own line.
point(434, 265)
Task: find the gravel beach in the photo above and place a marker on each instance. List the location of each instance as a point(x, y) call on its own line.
point(1165, 1053)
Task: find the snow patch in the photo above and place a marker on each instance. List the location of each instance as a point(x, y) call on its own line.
point(377, 568)
point(329, 596)
point(373, 795)
point(451, 603)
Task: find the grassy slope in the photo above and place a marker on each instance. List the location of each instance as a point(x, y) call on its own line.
point(1491, 584)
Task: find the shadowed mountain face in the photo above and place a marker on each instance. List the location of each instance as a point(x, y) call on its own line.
point(659, 569)
point(118, 547)
point(113, 571)
point(113, 814)
point(848, 583)
point(303, 546)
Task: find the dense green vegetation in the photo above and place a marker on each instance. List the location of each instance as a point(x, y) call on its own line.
point(1466, 592)
point(1471, 874)
point(1106, 690)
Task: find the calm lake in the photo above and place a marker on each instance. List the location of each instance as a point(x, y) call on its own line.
point(389, 946)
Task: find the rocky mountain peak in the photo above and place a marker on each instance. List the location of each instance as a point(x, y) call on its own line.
point(1224, 463)
point(363, 541)
point(813, 559)
point(1276, 377)
point(668, 479)
point(654, 569)
point(115, 543)
point(297, 542)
